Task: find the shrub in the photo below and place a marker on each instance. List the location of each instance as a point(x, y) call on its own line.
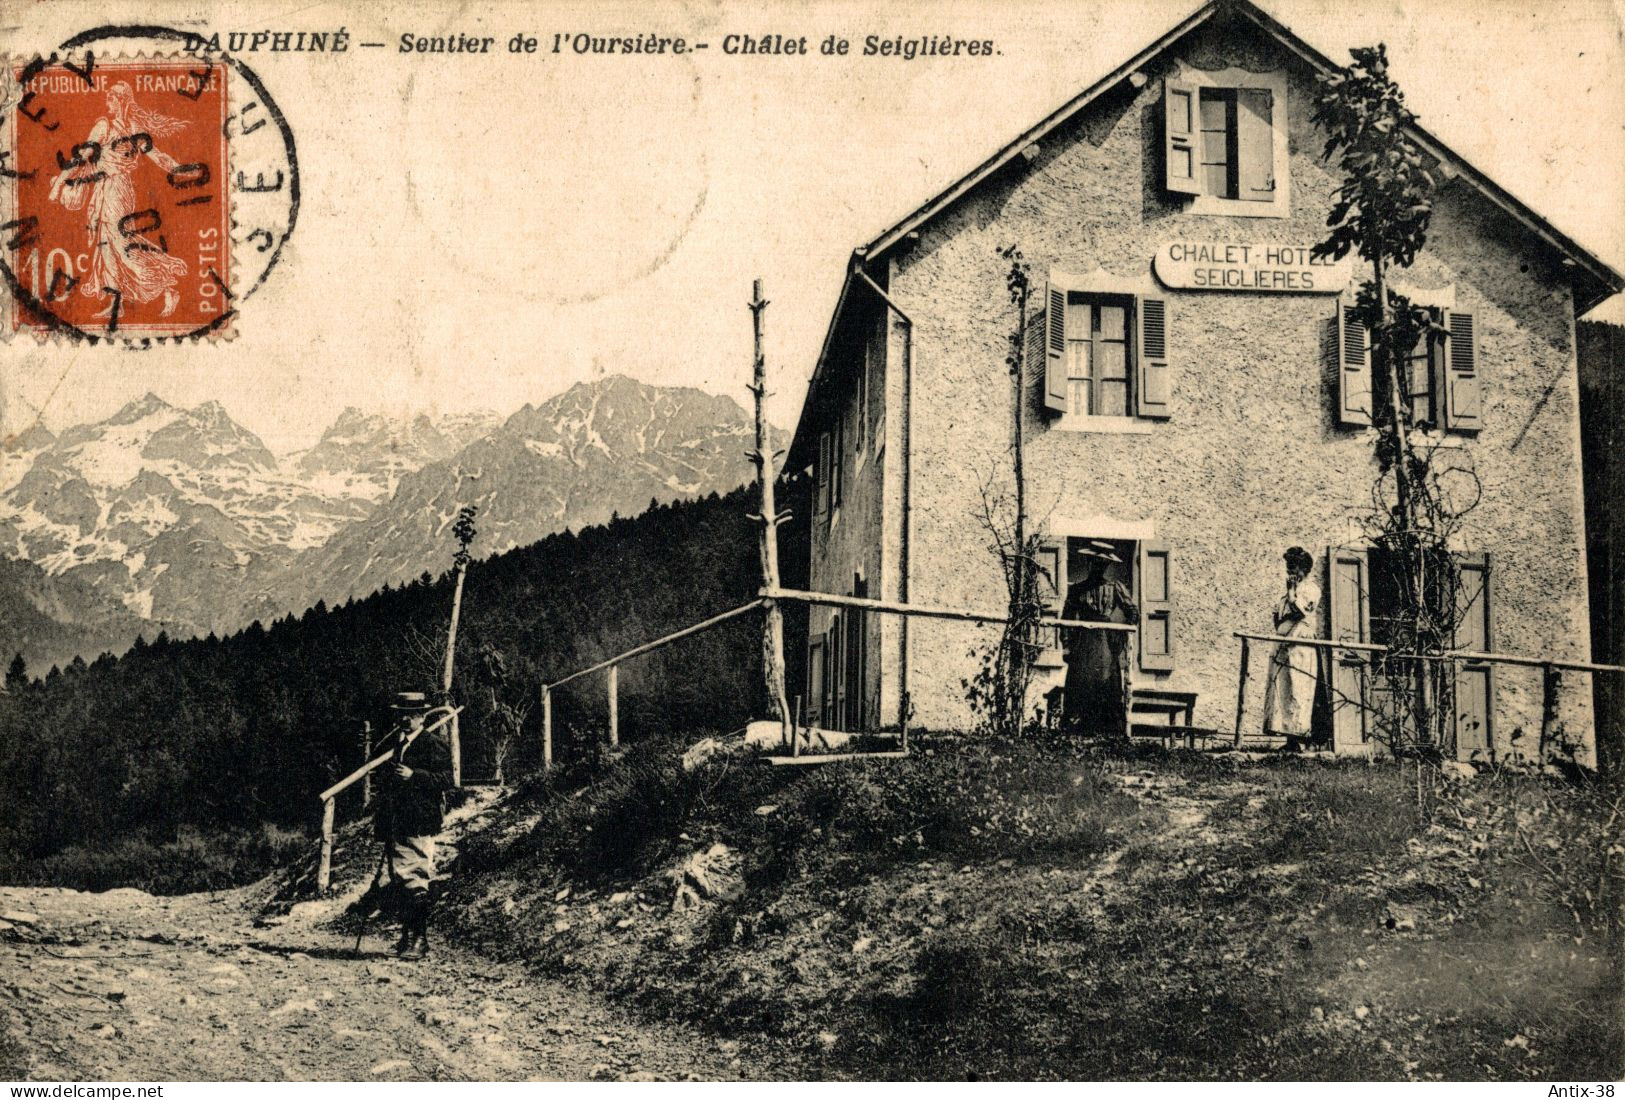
point(194, 859)
point(634, 813)
point(1008, 799)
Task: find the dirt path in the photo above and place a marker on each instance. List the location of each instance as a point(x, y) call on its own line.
point(126, 986)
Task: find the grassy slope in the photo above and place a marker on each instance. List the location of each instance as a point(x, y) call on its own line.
point(1028, 913)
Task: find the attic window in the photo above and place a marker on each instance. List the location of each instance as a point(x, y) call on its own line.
point(1225, 141)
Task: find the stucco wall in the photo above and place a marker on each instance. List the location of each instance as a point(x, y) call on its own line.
point(1253, 459)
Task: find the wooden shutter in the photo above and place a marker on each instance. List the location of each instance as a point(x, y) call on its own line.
point(1255, 144)
point(1474, 715)
point(1463, 394)
point(1351, 351)
point(821, 489)
point(1153, 391)
point(1035, 358)
point(1052, 575)
point(837, 461)
point(1156, 606)
point(1179, 137)
point(1347, 596)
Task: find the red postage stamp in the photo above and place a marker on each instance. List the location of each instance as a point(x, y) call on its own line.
point(120, 211)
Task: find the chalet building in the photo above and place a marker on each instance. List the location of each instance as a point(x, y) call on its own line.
point(1199, 402)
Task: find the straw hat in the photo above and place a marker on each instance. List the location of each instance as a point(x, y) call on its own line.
point(1094, 548)
point(410, 701)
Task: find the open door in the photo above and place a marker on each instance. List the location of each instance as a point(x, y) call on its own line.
point(856, 651)
point(1475, 687)
point(1347, 593)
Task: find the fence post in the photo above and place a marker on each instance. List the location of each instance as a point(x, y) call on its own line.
point(1241, 692)
point(324, 869)
point(614, 706)
point(1550, 679)
point(547, 729)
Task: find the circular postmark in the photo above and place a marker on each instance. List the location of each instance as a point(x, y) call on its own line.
point(149, 192)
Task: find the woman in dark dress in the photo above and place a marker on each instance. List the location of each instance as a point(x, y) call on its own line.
point(1097, 660)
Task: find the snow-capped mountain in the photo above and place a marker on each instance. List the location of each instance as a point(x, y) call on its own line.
point(600, 448)
point(172, 510)
point(190, 523)
point(365, 455)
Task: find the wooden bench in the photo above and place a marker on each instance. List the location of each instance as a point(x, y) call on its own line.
point(1172, 714)
point(1167, 704)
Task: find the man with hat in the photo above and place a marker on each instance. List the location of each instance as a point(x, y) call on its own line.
point(1097, 683)
point(411, 811)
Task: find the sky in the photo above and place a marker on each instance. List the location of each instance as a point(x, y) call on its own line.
point(482, 232)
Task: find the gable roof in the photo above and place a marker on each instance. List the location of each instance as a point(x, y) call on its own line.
point(1603, 280)
point(1594, 280)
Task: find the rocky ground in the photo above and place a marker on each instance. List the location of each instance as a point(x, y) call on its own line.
point(230, 985)
point(126, 986)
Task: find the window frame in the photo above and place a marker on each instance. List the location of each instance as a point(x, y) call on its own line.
point(1430, 361)
point(1129, 303)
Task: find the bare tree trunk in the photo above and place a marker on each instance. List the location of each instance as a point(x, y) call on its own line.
point(451, 633)
point(1019, 456)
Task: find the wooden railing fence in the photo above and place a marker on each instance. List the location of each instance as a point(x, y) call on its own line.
point(1550, 668)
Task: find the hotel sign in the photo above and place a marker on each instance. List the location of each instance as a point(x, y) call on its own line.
point(1277, 268)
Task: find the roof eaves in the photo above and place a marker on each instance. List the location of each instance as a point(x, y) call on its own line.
point(823, 354)
point(1608, 280)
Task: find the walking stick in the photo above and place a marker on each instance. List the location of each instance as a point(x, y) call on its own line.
point(367, 911)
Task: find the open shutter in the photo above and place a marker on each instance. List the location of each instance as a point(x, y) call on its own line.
point(1352, 353)
point(1475, 688)
point(1052, 575)
point(1036, 359)
point(1179, 137)
point(837, 461)
point(1156, 606)
point(1154, 390)
point(1052, 591)
point(1347, 597)
point(1463, 390)
point(1255, 144)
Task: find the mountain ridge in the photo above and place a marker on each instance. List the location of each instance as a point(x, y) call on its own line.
point(188, 520)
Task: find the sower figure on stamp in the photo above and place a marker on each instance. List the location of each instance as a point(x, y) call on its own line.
point(122, 260)
point(411, 811)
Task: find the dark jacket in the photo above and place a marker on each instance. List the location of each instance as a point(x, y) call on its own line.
point(416, 806)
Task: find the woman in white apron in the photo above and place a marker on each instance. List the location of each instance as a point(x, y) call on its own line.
point(1294, 669)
